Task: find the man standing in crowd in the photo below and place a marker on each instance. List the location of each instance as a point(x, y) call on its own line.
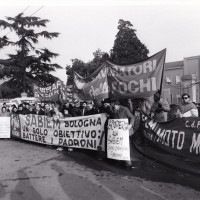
point(20, 109)
point(47, 111)
point(76, 110)
point(122, 112)
point(38, 110)
point(159, 108)
point(83, 108)
point(67, 108)
point(26, 107)
point(91, 109)
point(105, 107)
point(187, 108)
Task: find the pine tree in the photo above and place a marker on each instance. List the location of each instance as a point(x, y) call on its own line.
point(127, 48)
point(28, 65)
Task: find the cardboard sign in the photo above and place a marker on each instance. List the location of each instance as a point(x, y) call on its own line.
point(118, 147)
point(4, 127)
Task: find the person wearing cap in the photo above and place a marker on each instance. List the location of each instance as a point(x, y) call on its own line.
point(122, 112)
point(159, 108)
point(106, 107)
point(187, 108)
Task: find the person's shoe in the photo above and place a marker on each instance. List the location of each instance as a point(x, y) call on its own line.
point(59, 149)
point(128, 167)
point(70, 149)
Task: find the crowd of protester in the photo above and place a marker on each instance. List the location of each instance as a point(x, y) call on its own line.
point(159, 110)
point(52, 109)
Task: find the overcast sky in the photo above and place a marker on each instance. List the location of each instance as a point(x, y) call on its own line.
point(85, 26)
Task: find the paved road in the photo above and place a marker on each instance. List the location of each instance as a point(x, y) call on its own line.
point(34, 172)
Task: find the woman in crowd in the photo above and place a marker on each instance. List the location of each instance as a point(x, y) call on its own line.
point(57, 114)
point(66, 113)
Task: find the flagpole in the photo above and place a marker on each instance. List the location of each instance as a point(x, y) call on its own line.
point(161, 81)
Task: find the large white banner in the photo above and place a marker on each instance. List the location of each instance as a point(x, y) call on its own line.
point(78, 132)
point(118, 147)
point(4, 127)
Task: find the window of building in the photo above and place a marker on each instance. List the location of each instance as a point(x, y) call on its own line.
point(168, 79)
point(194, 75)
point(178, 79)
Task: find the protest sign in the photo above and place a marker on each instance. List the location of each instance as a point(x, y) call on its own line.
point(4, 127)
point(78, 132)
point(118, 147)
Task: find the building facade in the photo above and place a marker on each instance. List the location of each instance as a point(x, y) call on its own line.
point(182, 77)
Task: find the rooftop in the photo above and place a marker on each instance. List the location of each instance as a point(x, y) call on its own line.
point(176, 64)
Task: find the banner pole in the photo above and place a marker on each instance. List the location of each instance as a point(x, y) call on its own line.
point(161, 81)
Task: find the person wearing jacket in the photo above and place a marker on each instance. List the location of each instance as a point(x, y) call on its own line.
point(38, 110)
point(122, 112)
point(159, 108)
point(4, 112)
point(187, 108)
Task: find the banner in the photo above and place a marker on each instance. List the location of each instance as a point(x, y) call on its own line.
point(79, 132)
point(179, 137)
point(139, 80)
point(118, 147)
point(4, 127)
point(54, 92)
point(94, 86)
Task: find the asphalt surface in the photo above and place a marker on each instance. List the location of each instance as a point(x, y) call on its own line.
point(30, 171)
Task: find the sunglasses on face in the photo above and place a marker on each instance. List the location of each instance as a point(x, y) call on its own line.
point(185, 98)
